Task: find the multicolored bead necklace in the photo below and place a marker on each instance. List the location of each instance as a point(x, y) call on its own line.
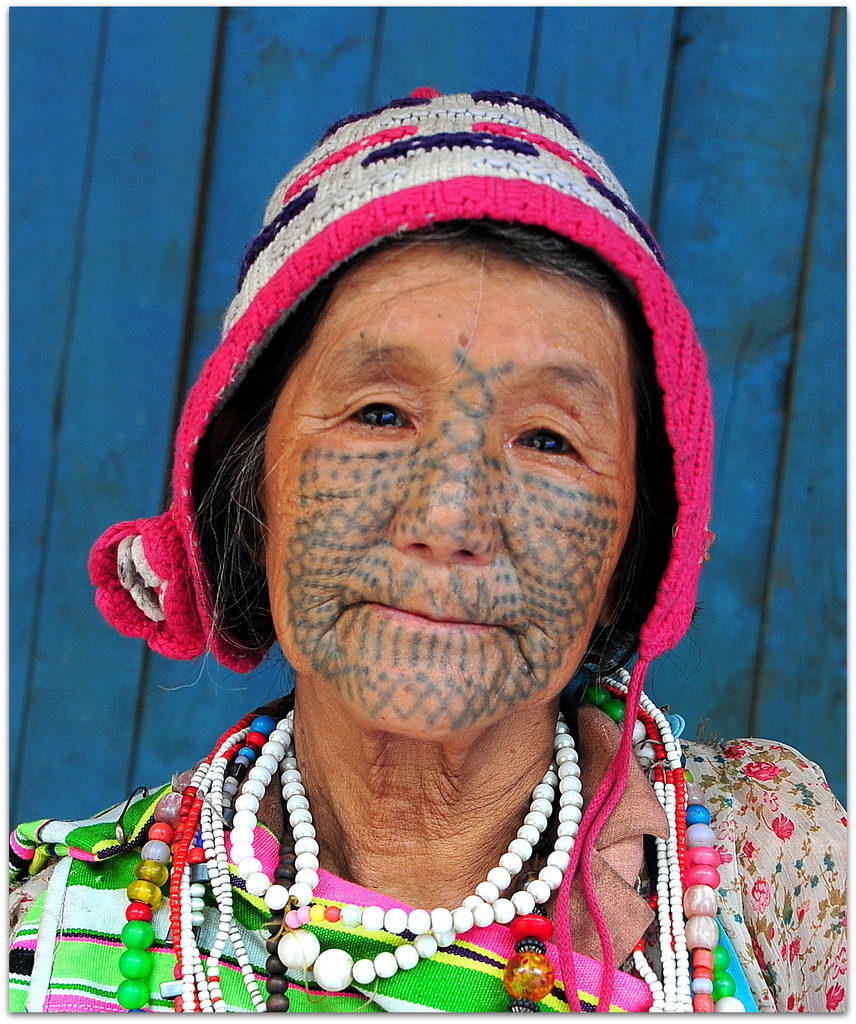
point(226, 790)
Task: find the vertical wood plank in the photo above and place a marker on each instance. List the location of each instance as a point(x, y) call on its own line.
point(49, 121)
point(803, 678)
point(113, 435)
point(733, 214)
point(617, 105)
point(454, 49)
point(288, 73)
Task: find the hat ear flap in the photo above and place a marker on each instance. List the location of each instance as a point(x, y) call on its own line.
point(144, 587)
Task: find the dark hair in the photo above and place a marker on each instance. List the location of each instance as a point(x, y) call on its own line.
point(230, 462)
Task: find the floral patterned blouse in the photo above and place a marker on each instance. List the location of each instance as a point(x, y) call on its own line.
point(783, 841)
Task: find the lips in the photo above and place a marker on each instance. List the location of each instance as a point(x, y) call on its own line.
point(427, 620)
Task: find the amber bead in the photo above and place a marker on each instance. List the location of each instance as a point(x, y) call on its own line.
point(528, 976)
point(145, 892)
point(151, 871)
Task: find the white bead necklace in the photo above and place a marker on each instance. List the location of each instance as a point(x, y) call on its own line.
point(334, 969)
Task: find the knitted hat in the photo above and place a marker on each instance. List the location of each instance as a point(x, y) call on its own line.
point(412, 163)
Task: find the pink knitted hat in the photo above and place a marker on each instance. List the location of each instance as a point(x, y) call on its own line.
point(412, 163)
point(417, 161)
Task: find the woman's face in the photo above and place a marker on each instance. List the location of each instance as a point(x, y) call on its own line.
point(449, 484)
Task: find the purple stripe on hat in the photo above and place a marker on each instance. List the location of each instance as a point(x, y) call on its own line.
point(451, 140)
point(271, 230)
point(631, 215)
point(407, 101)
point(528, 102)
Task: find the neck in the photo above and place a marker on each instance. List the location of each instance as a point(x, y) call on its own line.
point(420, 821)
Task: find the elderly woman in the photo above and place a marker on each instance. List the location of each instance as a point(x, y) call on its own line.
point(453, 452)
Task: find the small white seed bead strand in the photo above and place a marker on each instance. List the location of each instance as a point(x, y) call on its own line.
point(674, 956)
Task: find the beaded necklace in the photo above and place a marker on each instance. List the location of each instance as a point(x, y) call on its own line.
point(225, 792)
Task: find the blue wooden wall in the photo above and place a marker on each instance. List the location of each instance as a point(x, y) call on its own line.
point(144, 145)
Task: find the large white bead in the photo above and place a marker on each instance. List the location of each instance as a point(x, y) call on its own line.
point(303, 829)
point(445, 939)
point(544, 807)
point(282, 736)
point(290, 775)
point(729, 1004)
point(241, 851)
point(293, 789)
point(462, 920)
point(503, 911)
point(487, 891)
point(351, 915)
point(385, 964)
point(570, 813)
point(560, 859)
point(537, 819)
point(419, 922)
point(259, 774)
point(425, 946)
point(511, 862)
point(301, 893)
point(242, 835)
point(274, 749)
point(572, 798)
point(406, 956)
point(471, 901)
point(639, 731)
point(539, 889)
point(373, 919)
point(395, 921)
point(308, 877)
point(562, 741)
point(300, 817)
point(306, 845)
point(524, 902)
point(332, 970)
point(565, 843)
point(522, 848)
point(363, 972)
point(255, 787)
point(306, 860)
point(568, 769)
point(267, 762)
point(298, 949)
point(249, 866)
point(500, 877)
point(570, 784)
point(246, 818)
point(276, 897)
point(257, 883)
point(296, 803)
point(529, 833)
point(441, 920)
point(483, 915)
point(246, 802)
point(551, 875)
point(543, 792)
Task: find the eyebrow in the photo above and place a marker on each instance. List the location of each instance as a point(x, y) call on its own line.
point(571, 377)
point(356, 364)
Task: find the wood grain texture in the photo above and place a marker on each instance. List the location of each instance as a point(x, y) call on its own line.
point(49, 133)
point(113, 441)
point(801, 677)
point(710, 116)
point(618, 113)
point(734, 214)
point(271, 56)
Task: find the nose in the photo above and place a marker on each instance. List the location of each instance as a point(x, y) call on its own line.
point(448, 511)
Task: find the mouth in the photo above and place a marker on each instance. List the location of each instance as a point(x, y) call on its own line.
point(421, 620)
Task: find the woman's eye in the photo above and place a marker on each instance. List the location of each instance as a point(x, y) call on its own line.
point(546, 441)
point(379, 415)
